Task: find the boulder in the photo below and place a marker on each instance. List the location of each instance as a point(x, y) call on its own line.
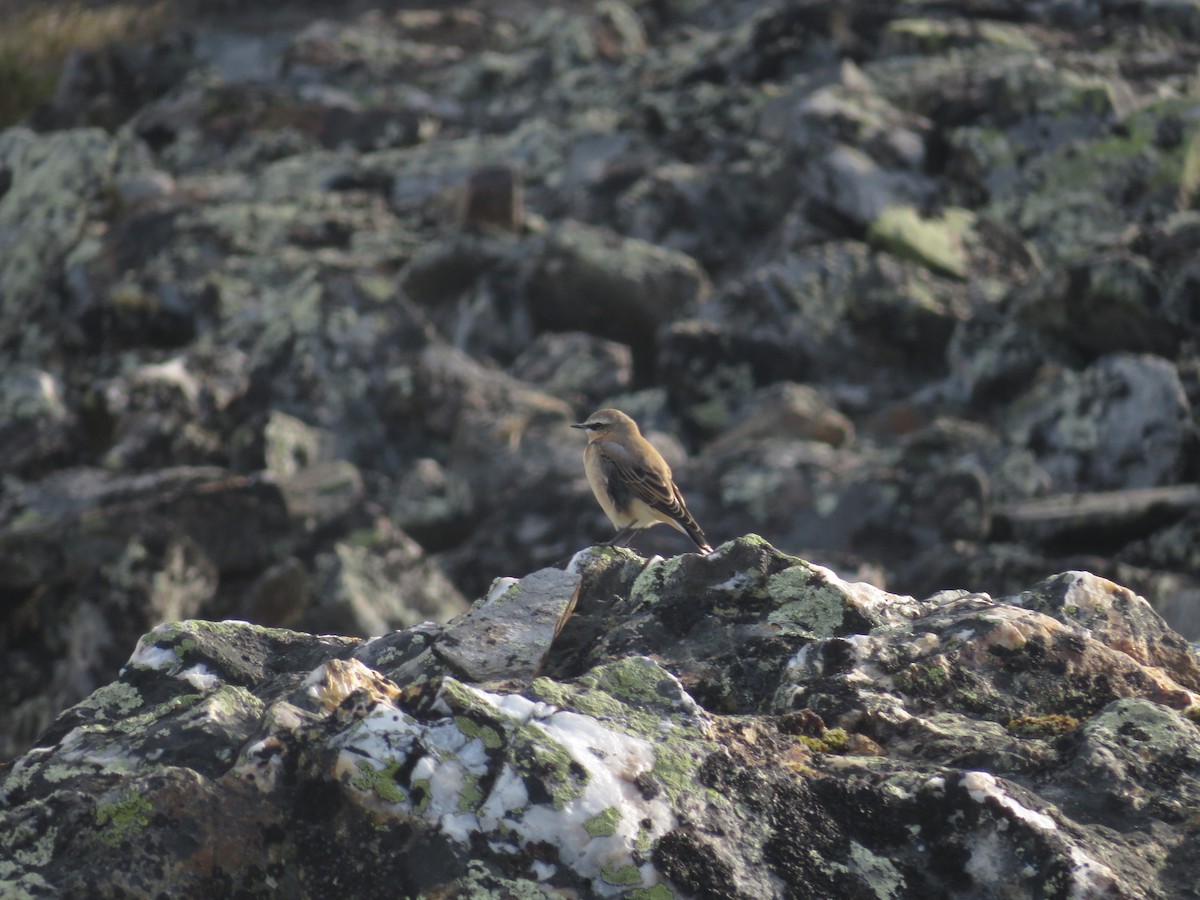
point(740, 711)
point(1123, 422)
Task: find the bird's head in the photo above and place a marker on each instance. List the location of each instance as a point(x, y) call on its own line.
point(605, 424)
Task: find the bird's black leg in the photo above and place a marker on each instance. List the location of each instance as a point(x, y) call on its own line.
point(622, 537)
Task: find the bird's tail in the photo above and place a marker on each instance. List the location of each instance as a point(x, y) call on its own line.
point(689, 526)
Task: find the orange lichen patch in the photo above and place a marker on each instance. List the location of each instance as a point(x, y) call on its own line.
point(1013, 629)
point(1167, 691)
point(331, 683)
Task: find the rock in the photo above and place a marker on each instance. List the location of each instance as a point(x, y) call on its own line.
point(378, 583)
point(493, 197)
point(35, 425)
point(709, 370)
point(144, 189)
point(694, 210)
point(1100, 519)
point(934, 243)
point(785, 410)
point(103, 87)
point(589, 279)
point(871, 276)
point(856, 189)
point(433, 505)
point(781, 603)
point(506, 637)
point(995, 359)
point(279, 596)
point(987, 723)
point(290, 445)
point(1117, 617)
point(576, 367)
point(1107, 305)
point(174, 410)
point(55, 184)
point(1173, 547)
point(486, 415)
point(241, 522)
point(105, 579)
point(1123, 422)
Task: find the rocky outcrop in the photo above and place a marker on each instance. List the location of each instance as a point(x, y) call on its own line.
point(293, 317)
point(745, 724)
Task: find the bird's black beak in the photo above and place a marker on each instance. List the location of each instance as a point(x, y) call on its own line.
point(578, 425)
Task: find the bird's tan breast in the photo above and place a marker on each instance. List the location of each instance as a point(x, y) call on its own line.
point(593, 466)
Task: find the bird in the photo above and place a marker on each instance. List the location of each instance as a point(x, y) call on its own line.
point(631, 480)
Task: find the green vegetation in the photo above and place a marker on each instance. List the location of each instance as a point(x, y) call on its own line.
point(833, 740)
point(35, 40)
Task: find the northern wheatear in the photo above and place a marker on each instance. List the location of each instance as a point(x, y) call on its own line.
point(631, 479)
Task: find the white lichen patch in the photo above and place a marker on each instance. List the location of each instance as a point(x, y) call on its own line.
point(1090, 877)
point(499, 588)
point(993, 860)
point(983, 787)
point(85, 746)
point(173, 372)
point(148, 655)
point(740, 581)
point(200, 677)
point(468, 773)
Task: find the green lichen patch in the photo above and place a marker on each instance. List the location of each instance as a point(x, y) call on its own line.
point(541, 759)
point(878, 871)
point(381, 782)
point(806, 603)
point(621, 875)
point(491, 736)
point(648, 586)
point(114, 700)
point(422, 795)
point(937, 244)
point(604, 823)
point(658, 892)
point(1189, 174)
point(832, 740)
point(922, 679)
point(471, 795)
point(675, 766)
point(122, 817)
point(637, 681)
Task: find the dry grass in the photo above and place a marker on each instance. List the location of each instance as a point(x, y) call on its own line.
point(34, 42)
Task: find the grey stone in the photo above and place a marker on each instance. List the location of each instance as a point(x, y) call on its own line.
point(592, 280)
point(578, 368)
point(507, 634)
point(1124, 422)
point(956, 720)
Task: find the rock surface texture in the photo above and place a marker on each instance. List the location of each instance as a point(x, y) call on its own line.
point(296, 307)
point(741, 725)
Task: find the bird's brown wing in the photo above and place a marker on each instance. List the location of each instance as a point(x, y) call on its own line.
point(629, 480)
